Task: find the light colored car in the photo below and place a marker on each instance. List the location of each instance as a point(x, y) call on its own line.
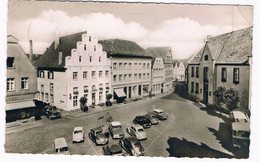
point(137, 131)
point(240, 134)
point(160, 114)
point(60, 146)
point(238, 116)
point(115, 129)
point(78, 135)
point(152, 117)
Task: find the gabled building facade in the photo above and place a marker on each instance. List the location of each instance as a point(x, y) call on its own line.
point(158, 75)
point(224, 60)
point(166, 54)
point(74, 66)
point(179, 68)
point(131, 68)
point(21, 82)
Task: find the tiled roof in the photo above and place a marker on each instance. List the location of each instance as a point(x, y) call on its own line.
point(233, 47)
point(118, 47)
point(159, 52)
point(50, 58)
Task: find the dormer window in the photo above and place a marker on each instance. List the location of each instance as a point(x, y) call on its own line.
point(206, 57)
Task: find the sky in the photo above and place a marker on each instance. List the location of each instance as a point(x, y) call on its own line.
point(181, 26)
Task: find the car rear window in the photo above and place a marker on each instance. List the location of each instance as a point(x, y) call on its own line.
point(140, 130)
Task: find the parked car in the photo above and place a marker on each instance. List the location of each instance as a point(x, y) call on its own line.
point(240, 134)
point(112, 149)
point(115, 129)
point(237, 116)
point(152, 117)
point(51, 112)
point(160, 114)
point(98, 136)
point(143, 121)
point(78, 135)
point(132, 146)
point(137, 131)
point(60, 146)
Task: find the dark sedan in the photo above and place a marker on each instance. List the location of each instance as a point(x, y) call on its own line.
point(132, 146)
point(143, 121)
point(98, 136)
point(113, 150)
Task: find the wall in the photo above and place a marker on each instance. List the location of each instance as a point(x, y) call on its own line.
point(158, 76)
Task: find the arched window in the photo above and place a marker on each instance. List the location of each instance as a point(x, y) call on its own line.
point(206, 57)
point(93, 87)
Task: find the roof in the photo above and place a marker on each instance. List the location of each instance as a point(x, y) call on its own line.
point(115, 123)
point(230, 48)
point(241, 126)
point(97, 129)
point(50, 58)
point(60, 142)
point(78, 128)
point(158, 110)
point(137, 126)
point(125, 48)
point(178, 61)
point(161, 52)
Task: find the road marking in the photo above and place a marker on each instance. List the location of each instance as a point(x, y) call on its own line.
point(155, 130)
point(88, 139)
point(158, 136)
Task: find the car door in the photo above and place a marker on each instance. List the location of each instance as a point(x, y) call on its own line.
point(127, 145)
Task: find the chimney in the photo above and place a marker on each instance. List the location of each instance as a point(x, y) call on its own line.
point(31, 51)
point(57, 38)
point(60, 57)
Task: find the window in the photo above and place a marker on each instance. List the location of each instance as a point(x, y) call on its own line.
point(224, 75)
point(46, 97)
point(120, 77)
point(125, 77)
point(95, 48)
point(85, 88)
point(100, 74)
point(144, 76)
point(75, 75)
point(51, 88)
point(85, 47)
point(236, 75)
point(140, 76)
point(75, 90)
point(25, 83)
point(114, 78)
point(135, 76)
point(197, 88)
point(148, 65)
point(75, 100)
point(42, 96)
point(85, 74)
point(90, 58)
point(206, 57)
point(140, 65)
point(135, 65)
point(192, 71)
point(100, 86)
point(93, 74)
point(197, 72)
point(94, 88)
point(148, 75)
point(130, 66)
point(192, 87)
point(99, 59)
point(10, 84)
point(42, 74)
point(107, 85)
point(86, 95)
point(10, 62)
point(106, 73)
point(89, 38)
point(42, 87)
point(125, 66)
point(51, 99)
point(50, 75)
point(206, 70)
point(130, 77)
point(79, 58)
point(100, 96)
point(114, 66)
point(144, 65)
point(120, 66)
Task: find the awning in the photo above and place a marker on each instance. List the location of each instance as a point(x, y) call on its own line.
point(19, 105)
point(120, 93)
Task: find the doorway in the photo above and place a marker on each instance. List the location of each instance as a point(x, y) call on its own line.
point(205, 85)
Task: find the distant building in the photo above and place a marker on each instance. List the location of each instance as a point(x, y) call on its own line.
point(21, 82)
point(224, 60)
point(158, 75)
point(131, 68)
point(166, 54)
point(74, 66)
point(179, 67)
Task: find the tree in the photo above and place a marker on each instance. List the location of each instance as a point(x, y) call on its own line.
point(220, 96)
point(232, 97)
point(83, 101)
point(108, 97)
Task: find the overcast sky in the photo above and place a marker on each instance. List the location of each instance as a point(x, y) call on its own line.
point(181, 26)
